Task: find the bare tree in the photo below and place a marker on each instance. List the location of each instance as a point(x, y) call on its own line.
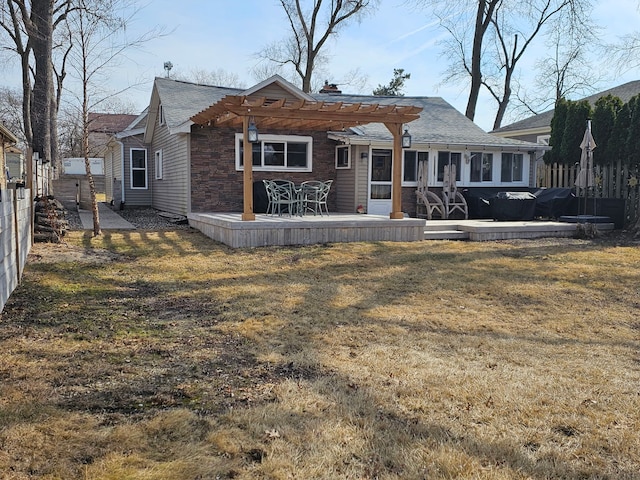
point(97, 30)
point(31, 26)
point(310, 30)
point(565, 73)
point(217, 77)
point(488, 39)
point(466, 44)
point(11, 112)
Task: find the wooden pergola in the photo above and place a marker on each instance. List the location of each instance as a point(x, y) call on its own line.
point(235, 111)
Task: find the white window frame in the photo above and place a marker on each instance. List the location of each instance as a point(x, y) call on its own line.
point(460, 173)
point(482, 182)
point(161, 119)
point(277, 139)
point(406, 183)
point(158, 164)
point(348, 149)
point(525, 170)
point(145, 169)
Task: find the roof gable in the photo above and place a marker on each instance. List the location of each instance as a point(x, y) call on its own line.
point(277, 88)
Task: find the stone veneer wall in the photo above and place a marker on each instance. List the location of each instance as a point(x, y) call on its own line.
point(216, 186)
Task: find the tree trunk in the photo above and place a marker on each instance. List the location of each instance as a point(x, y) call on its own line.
point(42, 43)
point(476, 57)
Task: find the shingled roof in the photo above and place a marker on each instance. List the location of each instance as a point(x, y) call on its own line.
point(109, 122)
point(543, 120)
point(439, 122)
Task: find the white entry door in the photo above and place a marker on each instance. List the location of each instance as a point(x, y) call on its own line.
point(380, 170)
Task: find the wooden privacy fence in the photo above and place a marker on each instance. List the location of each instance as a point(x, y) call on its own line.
point(612, 181)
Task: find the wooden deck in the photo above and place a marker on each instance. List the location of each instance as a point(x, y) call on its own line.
point(267, 230)
point(486, 230)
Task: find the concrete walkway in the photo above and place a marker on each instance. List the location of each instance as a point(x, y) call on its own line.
point(109, 220)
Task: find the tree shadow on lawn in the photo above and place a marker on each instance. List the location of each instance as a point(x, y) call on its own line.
point(152, 351)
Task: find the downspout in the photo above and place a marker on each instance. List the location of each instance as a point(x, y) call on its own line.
point(122, 195)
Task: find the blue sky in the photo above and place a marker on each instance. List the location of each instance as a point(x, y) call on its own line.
point(225, 34)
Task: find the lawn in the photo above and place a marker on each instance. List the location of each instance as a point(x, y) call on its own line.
point(164, 355)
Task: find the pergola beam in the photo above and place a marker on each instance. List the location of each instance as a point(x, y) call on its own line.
point(235, 111)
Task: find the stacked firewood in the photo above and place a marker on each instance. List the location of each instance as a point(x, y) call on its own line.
point(50, 224)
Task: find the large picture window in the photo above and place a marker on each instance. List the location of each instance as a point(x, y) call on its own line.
point(138, 168)
point(277, 153)
point(511, 169)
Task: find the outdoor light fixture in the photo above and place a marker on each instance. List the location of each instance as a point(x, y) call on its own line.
point(406, 139)
point(252, 132)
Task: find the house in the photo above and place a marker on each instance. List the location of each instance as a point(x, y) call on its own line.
point(537, 128)
point(15, 164)
point(6, 140)
point(185, 153)
point(72, 186)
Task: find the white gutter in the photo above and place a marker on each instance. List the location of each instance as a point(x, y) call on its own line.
point(431, 145)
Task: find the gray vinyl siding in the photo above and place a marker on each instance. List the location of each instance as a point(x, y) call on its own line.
point(362, 179)
point(170, 194)
point(108, 174)
point(136, 197)
point(346, 185)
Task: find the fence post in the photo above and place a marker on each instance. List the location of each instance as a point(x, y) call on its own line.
point(16, 227)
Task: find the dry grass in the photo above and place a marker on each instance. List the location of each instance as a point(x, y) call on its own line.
point(162, 355)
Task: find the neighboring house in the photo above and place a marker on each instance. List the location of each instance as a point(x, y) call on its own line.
point(72, 187)
point(6, 140)
point(15, 164)
point(125, 185)
point(178, 166)
point(538, 127)
point(102, 126)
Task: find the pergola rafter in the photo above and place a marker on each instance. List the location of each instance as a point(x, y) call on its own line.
point(235, 111)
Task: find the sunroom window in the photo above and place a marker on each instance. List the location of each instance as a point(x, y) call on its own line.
point(277, 153)
point(511, 170)
point(447, 158)
point(410, 166)
point(481, 167)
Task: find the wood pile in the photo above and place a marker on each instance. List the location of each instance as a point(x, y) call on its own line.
point(50, 223)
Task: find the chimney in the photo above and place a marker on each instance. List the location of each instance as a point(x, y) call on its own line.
point(330, 88)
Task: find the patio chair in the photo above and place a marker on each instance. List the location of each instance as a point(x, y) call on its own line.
point(426, 200)
point(452, 199)
point(285, 197)
point(269, 187)
point(314, 196)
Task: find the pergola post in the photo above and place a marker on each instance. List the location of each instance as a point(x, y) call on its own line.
point(396, 178)
point(247, 177)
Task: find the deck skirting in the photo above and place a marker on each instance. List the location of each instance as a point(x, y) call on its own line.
point(267, 230)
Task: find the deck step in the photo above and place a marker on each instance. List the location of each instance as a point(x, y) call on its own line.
point(445, 235)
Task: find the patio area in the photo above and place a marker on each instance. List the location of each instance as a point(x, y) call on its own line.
point(268, 230)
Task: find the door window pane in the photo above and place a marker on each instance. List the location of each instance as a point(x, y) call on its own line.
point(381, 166)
